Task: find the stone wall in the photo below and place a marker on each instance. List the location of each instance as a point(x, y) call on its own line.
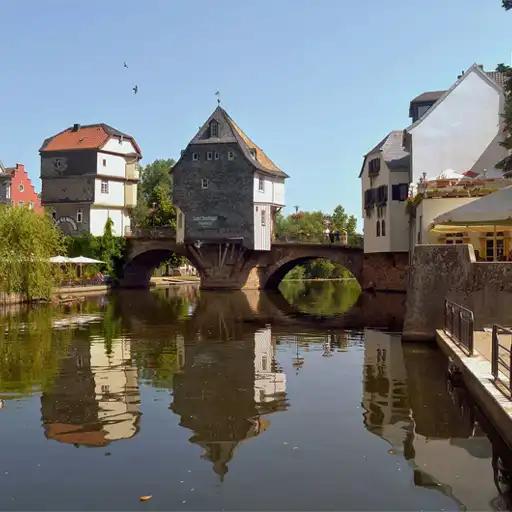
point(385, 271)
point(440, 272)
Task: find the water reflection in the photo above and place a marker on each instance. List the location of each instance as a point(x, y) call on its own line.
point(331, 408)
point(426, 423)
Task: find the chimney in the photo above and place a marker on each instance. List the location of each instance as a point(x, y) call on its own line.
point(76, 127)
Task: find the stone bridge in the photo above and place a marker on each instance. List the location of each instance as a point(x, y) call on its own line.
point(228, 265)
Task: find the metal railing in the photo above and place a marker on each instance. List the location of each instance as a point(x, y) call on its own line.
point(458, 324)
point(501, 356)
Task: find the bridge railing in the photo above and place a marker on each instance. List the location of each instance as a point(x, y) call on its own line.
point(353, 240)
point(156, 232)
point(458, 324)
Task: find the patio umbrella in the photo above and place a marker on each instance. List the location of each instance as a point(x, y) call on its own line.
point(83, 260)
point(490, 212)
point(60, 259)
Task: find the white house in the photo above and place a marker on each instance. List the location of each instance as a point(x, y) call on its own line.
point(461, 130)
point(89, 174)
point(385, 185)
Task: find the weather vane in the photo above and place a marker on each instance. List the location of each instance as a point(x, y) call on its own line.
point(217, 93)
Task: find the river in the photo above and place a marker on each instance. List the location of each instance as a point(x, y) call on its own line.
point(238, 401)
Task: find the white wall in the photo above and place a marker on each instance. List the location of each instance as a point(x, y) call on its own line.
point(394, 215)
point(273, 190)
point(262, 234)
point(454, 134)
point(115, 165)
point(99, 216)
point(115, 196)
point(116, 146)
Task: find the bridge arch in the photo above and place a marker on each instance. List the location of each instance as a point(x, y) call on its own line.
point(289, 257)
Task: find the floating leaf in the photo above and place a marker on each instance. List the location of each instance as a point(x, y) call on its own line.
point(145, 498)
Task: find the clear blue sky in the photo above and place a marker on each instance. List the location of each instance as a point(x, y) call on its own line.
point(314, 83)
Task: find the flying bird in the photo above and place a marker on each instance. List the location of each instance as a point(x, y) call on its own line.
point(135, 89)
point(125, 65)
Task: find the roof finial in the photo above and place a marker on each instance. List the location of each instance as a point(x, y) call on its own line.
point(217, 93)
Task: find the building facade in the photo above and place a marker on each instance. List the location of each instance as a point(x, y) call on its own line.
point(226, 188)
point(90, 174)
point(17, 189)
point(385, 186)
point(456, 132)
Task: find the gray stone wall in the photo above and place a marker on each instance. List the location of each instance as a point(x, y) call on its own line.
point(225, 208)
point(66, 163)
point(66, 211)
point(440, 272)
point(70, 189)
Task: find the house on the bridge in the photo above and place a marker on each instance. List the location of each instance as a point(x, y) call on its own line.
point(455, 136)
point(89, 174)
point(226, 188)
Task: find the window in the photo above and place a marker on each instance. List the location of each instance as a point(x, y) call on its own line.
point(383, 228)
point(217, 156)
point(263, 218)
point(261, 184)
point(214, 128)
point(195, 156)
point(8, 192)
point(374, 166)
point(104, 186)
point(21, 187)
point(79, 215)
point(180, 220)
point(400, 192)
point(422, 109)
point(21, 203)
point(104, 162)
point(253, 153)
point(231, 155)
point(30, 205)
point(209, 155)
point(378, 228)
point(204, 183)
point(382, 195)
point(264, 362)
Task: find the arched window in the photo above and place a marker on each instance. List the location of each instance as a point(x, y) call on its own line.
point(378, 228)
point(214, 128)
point(383, 228)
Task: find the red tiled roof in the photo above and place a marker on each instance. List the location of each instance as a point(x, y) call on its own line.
point(84, 137)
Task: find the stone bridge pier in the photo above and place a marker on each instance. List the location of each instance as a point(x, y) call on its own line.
point(229, 266)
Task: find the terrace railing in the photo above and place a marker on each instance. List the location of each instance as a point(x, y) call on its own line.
point(501, 356)
point(458, 325)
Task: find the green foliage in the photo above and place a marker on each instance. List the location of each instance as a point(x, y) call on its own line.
point(154, 204)
point(507, 4)
point(28, 241)
point(326, 298)
point(506, 163)
point(310, 226)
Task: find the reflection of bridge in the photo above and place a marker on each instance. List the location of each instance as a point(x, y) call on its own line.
point(227, 264)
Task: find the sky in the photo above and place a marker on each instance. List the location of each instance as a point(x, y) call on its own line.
point(315, 84)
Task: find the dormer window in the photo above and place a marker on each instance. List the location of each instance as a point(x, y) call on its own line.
point(253, 153)
point(374, 166)
point(214, 128)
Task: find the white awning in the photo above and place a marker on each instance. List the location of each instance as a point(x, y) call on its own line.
point(83, 260)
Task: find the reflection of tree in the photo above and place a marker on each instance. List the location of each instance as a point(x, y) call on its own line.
point(30, 350)
point(325, 298)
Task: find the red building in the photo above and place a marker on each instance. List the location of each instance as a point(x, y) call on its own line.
point(17, 189)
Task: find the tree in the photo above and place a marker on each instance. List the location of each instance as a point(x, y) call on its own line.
point(111, 249)
point(154, 203)
point(506, 163)
point(507, 4)
point(28, 241)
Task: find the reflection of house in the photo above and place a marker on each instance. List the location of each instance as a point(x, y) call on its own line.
point(269, 384)
point(94, 399)
point(214, 394)
point(89, 174)
point(438, 437)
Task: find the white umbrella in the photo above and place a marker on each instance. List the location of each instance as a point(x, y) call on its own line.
point(83, 260)
point(60, 259)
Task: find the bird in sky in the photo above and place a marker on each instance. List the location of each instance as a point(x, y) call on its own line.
point(135, 89)
point(125, 65)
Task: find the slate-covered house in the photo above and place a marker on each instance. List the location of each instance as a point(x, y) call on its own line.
point(226, 187)
point(89, 174)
